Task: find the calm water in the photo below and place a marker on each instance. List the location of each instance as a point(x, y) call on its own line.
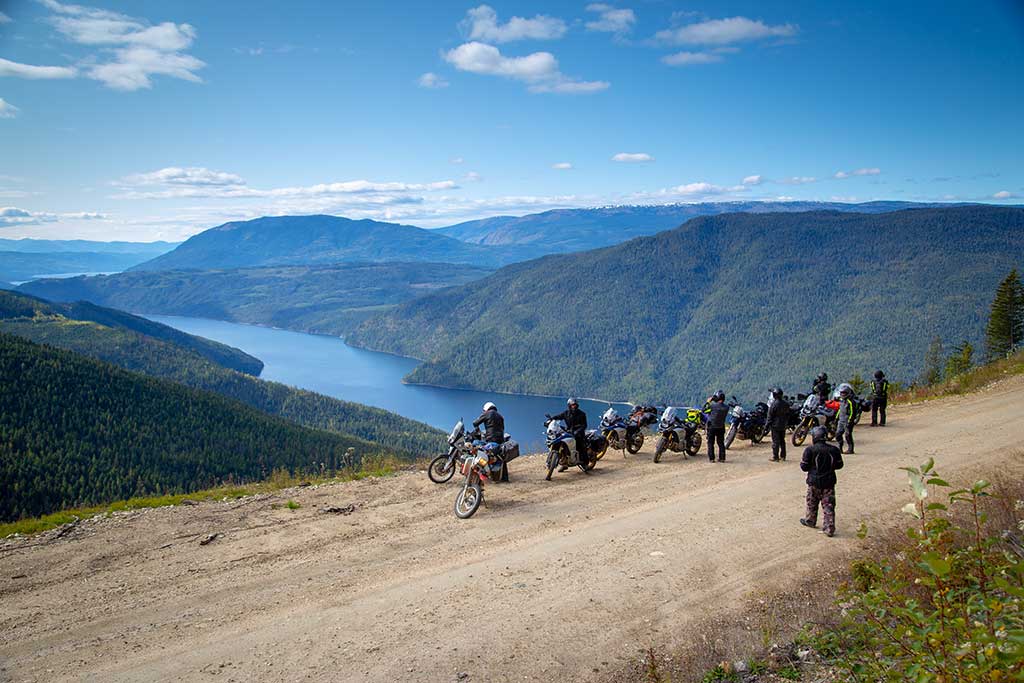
point(328, 366)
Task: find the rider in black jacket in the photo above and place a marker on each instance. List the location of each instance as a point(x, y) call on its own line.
point(494, 424)
point(778, 422)
point(879, 398)
point(821, 387)
point(576, 424)
point(717, 411)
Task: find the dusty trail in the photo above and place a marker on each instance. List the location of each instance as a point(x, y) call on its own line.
point(587, 568)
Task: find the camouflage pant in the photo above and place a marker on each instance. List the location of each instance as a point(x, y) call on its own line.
point(827, 498)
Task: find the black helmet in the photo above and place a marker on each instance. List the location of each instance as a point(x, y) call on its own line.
point(572, 402)
point(824, 377)
point(879, 374)
point(719, 395)
point(819, 434)
point(777, 392)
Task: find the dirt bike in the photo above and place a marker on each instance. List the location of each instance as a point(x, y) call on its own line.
point(442, 468)
point(680, 432)
point(746, 424)
point(476, 466)
point(814, 414)
point(622, 435)
point(562, 447)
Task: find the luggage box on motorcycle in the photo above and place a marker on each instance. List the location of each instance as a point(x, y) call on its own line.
point(509, 450)
point(597, 442)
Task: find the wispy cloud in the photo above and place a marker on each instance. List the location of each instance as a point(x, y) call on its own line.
point(1003, 194)
point(632, 157)
point(798, 180)
point(725, 32)
point(33, 72)
point(456, 160)
point(11, 216)
point(562, 166)
point(752, 180)
point(690, 58)
point(611, 19)
point(4, 19)
point(473, 177)
point(538, 70)
point(842, 175)
point(481, 23)
point(7, 110)
point(431, 81)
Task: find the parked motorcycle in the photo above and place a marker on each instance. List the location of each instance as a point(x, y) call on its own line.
point(477, 466)
point(814, 414)
point(623, 435)
point(442, 468)
point(644, 416)
point(747, 424)
point(680, 431)
point(562, 447)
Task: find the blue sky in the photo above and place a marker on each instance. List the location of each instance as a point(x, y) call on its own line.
point(154, 120)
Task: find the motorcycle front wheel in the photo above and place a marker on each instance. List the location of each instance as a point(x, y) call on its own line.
point(693, 444)
point(730, 436)
point(552, 462)
point(468, 500)
point(659, 448)
point(598, 456)
point(758, 435)
point(635, 443)
point(800, 434)
point(441, 469)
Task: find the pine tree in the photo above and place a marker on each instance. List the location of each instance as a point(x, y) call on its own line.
point(1005, 331)
point(933, 363)
point(961, 360)
point(858, 384)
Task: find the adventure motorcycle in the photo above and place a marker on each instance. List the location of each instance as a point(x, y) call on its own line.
point(752, 424)
point(476, 466)
point(644, 416)
point(679, 432)
point(814, 414)
point(562, 447)
point(622, 435)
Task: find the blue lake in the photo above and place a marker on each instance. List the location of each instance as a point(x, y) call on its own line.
point(329, 366)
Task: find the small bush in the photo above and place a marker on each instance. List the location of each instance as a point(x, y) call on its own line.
point(292, 505)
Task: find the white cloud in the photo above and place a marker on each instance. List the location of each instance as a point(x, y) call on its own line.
point(481, 23)
point(611, 19)
point(751, 180)
point(725, 32)
point(7, 110)
point(538, 70)
point(798, 180)
point(688, 58)
point(132, 50)
point(9, 68)
point(13, 216)
point(562, 166)
point(473, 177)
point(859, 172)
point(432, 81)
point(4, 19)
point(1003, 194)
point(86, 216)
point(173, 175)
point(456, 160)
point(632, 157)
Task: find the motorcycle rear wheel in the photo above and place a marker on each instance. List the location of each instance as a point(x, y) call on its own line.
point(437, 472)
point(468, 500)
point(800, 434)
point(730, 436)
point(633, 445)
point(693, 445)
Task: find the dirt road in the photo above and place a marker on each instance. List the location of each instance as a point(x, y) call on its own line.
point(550, 581)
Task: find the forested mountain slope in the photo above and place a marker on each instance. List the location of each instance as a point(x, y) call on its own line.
point(738, 301)
point(135, 351)
point(78, 431)
point(311, 240)
point(329, 299)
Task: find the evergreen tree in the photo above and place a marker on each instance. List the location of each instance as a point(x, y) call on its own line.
point(933, 363)
point(1005, 331)
point(961, 360)
point(858, 384)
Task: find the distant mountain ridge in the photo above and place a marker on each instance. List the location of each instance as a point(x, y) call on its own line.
point(569, 230)
point(319, 240)
point(19, 266)
point(29, 246)
point(739, 301)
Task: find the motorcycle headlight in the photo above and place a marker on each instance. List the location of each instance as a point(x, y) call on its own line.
point(482, 461)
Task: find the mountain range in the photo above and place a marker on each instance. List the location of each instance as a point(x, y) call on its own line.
point(740, 301)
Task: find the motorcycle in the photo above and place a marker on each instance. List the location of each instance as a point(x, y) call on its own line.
point(562, 447)
point(442, 468)
point(623, 435)
point(752, 424)
point(814, 414)
point(477, 466)
point(680, 432)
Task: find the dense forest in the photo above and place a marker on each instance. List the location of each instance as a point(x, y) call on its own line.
point(125, 347)
point(77, 431)
point(737, 301)
point(330, 299)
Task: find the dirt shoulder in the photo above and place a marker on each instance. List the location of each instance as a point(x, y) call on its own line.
point(551, 580)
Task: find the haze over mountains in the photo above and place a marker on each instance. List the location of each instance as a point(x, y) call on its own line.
point(739, 301)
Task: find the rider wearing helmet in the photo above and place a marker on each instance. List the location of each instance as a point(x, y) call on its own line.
point(576, 424)
point(778, 422)
point(820, 462)
point(717, 412)
point(821, 387)
point(879, 398)
point(844, 417)
point(494, 431)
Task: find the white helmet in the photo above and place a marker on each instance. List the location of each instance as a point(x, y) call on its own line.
point(489, 406)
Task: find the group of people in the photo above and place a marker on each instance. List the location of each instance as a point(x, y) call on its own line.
point(820, 460)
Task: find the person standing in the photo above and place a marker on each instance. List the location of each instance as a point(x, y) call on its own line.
point(576, 424)
point(717, 412)
point(879, 399)
point(494, 433)
point(778, 422)
point(820, 461)
point(821, 387)
point(844, 418)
